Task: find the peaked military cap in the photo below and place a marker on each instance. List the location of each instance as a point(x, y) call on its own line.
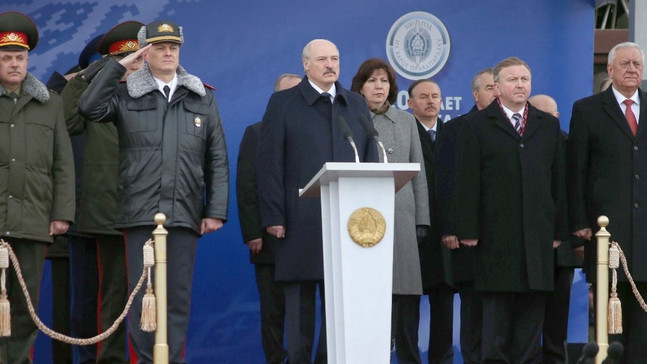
point(160, 31)
point(17, 32)
point(121, 39)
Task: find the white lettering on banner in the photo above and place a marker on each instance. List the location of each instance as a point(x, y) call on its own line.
point(449, 103)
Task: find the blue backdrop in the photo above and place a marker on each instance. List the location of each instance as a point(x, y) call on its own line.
point(240, 48)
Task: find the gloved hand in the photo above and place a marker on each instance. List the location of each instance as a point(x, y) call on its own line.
point(89, 72)
point(422, 231)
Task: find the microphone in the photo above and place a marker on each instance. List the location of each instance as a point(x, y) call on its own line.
point(370, 129)
point(614, 353)
point(348, 134)
point(589, 352)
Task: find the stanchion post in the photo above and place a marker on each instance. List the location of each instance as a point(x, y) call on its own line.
point(160, 350)
point(602, 289)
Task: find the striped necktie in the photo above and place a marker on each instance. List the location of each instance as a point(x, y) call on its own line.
point(517, 122)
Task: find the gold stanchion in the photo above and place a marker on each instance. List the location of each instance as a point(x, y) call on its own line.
point(160, 350)
point(602, 289)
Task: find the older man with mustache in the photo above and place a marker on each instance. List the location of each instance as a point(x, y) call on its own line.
point(298, 134)
point(425, 101)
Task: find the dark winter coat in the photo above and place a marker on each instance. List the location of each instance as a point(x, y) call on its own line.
point(97, 205)
point(299, 134)
point(173, 157)
point(36, 163)
point(607, 175)
point(511, 193)
point(249, 213)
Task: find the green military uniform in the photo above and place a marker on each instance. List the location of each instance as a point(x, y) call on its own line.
point(97, 202)
point(36, 180)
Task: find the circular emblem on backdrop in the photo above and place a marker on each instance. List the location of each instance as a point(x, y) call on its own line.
point(418, 45)
point(366, 226)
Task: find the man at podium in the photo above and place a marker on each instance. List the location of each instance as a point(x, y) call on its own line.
point(298, 135)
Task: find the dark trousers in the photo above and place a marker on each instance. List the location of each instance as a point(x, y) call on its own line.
point(300, 313)
point(471, 322)
point(272, 313)
point(84, 289)
point(512, 324)
point(180, 250)
point(405, 318)
point(634, 324)
point(16, 349)
point(99, 294)
point(61, 352)
point(113, 290)
point(441, 321)
point(556, 317)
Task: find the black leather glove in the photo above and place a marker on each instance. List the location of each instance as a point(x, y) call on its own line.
point(422, 231)
point(89, 72)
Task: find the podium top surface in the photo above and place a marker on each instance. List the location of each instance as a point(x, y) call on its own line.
point(332, 171)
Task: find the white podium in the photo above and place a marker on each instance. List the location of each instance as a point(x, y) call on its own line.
point(358, 280)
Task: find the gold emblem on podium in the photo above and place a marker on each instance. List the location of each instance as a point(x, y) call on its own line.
point(366, 226)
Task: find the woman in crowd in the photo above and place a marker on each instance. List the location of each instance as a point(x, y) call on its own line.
point(375, 80)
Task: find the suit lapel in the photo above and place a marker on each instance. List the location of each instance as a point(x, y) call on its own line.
point(534, 122)
point(611, 107)
point(501, 119)
point(425, 143)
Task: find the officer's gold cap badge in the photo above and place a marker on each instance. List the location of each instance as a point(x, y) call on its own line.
point(165, 28)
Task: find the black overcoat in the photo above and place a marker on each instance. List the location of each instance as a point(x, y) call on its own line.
point(299, 133)
point(461, 266)
point(511, 193)
point(607, 175)
point(249, 214)
point(434, 260)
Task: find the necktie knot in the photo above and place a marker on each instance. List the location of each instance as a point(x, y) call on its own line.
point(628, 102)
point(167, 91)
point(432, 135)
point(327, 97)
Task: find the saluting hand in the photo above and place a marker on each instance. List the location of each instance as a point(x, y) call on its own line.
point(126, 61)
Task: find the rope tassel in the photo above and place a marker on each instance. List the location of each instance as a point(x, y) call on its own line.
point(5, 307)
point(614, 318)
point(148, 320)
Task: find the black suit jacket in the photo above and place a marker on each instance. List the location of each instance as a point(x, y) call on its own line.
point(607, 175)
point(434, 261)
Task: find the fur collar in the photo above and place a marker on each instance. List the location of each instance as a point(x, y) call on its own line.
point(31, 86)
point(141, 82)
